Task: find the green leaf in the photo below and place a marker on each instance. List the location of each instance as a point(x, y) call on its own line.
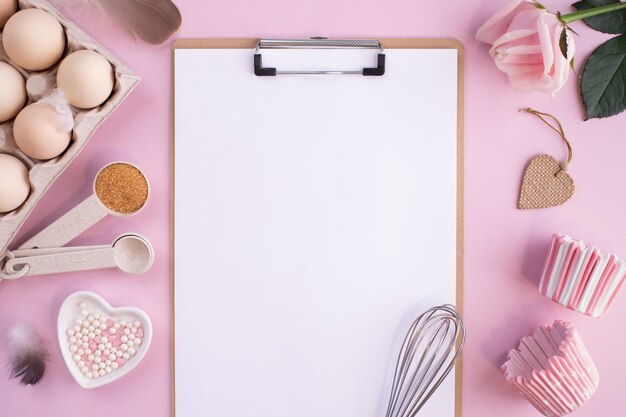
point(614, 22)
point(603, 83)
point(563, 42)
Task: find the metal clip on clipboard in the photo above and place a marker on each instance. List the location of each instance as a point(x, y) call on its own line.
point(319, 43)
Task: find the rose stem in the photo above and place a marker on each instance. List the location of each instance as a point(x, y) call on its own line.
point(583, 14)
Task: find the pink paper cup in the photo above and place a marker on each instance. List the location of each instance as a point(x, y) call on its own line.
point(581, 277)
point(552, 369)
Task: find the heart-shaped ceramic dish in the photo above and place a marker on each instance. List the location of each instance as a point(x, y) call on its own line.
point(118, 324)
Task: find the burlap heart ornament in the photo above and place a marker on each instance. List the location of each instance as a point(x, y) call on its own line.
point(545, 184)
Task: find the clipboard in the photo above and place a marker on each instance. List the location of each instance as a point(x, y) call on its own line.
point(255, 46)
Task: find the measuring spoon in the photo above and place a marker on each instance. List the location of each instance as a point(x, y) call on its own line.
point(119, 189)
point(132, 254)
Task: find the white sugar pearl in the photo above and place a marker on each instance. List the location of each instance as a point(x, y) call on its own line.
point(108, 369)
point(84, 369)
point(124, 347)
point(107, 363)
point(90, 319)
point(132, 351)
point(130, 343)
point(102, 372)
point(124, 339)
point(127, 331)
point(98, 331)
point(103, 326)
point(91, 329)
point(96, 323)
point(129, 324)
point(81, 364)
point(97, 359)
point(101, 346)
point(104, 339)
point(81, 352)
point(112, 330)
point(85, 331)
point(119, 353)
point(70, 332)
point(106, 352)
point(79, 322)
point(102, 365)
point(108, 345)
point(96, 316)
point(85, 345)
point(117, 326)
point(83, 305)
point(137, 341)
point(114, 365)
point(73, 339)
point(133, 330)
point(94, 367)
point(131, 336)
point(112, 357)
point(91, 335)
point(98, 353)
point(84, 338)
point(76, 358)
point(126, 356)
point(88, 375)
point(73, 348)
point(88, 351)
point(76, 329)
point(90, 358)
point(123, 323)
point(137, 324)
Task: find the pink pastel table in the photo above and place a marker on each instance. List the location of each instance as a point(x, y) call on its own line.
point(504, 247)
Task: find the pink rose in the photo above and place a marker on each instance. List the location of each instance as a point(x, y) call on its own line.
point(525, 41)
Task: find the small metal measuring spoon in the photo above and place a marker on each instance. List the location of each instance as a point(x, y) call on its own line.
point(97, 206)
point(131, 253)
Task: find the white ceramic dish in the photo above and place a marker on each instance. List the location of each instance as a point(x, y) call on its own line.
point(70, 311)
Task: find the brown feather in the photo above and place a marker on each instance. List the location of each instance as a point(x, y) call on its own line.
point(153, 21)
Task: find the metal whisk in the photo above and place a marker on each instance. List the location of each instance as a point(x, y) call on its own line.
point(428, 354)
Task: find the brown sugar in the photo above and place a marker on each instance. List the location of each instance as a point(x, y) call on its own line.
point(122, 188)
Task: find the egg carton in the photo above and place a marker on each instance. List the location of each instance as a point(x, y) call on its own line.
point(41, 83)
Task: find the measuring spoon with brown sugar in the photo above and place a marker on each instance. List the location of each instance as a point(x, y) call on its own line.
point(120, 189)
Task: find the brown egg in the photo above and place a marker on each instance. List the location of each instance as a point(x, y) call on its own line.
point(14, 184)
point(33, 39)
point(12, 93)
point(86, 79)
point(7, 9)
point(38, 132)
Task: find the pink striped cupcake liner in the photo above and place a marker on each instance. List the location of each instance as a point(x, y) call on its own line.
point(581, 277)
point(552, 369)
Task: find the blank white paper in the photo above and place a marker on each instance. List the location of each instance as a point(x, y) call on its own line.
point(315, 217)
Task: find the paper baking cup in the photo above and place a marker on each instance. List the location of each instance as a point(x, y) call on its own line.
point(552, 369)
point(581, 277)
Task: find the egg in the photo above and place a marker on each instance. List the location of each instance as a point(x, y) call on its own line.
point(86, 78)
point(38, 132)
point(14, 184)
point(7, 9)
point(33, 39)
point(12, 93)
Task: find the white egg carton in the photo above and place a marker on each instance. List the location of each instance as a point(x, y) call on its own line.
point(40, 83)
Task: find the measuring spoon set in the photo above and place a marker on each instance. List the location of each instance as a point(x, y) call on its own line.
point(119, 189)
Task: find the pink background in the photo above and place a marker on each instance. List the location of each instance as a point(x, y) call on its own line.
point(504, 247)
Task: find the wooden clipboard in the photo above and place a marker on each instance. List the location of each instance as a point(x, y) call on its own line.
point(388, 43)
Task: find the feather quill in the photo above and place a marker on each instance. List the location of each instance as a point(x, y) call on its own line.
point(153, 21)
point(27, 354)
